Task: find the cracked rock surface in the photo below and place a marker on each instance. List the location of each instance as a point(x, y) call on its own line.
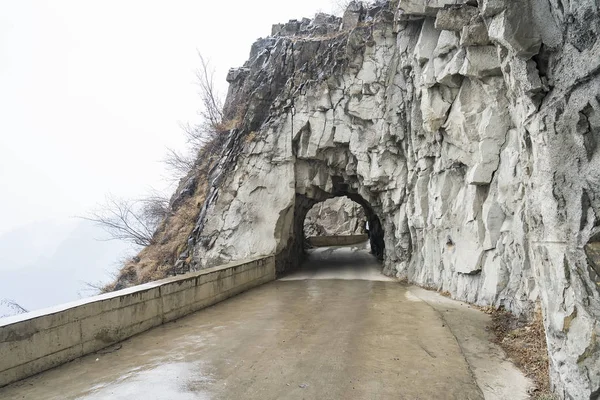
point(338, 216)
point(468, 131)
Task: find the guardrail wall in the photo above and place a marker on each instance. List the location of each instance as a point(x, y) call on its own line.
point(37, 341)
point(347, 240)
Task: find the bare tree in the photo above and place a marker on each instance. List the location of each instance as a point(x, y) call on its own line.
point(212, 104)
point(155, 208)
point(179, 163)
point(14, 306)
point(340, 6)
point(134, 221)
point(207, 130)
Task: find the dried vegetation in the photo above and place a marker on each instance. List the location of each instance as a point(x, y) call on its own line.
point(525, 344)
point(157, 260)
point(166, 252)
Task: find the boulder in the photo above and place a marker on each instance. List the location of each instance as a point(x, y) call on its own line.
point(426, 7)
point(515, 30)
point(480, 62)
point(455, 18)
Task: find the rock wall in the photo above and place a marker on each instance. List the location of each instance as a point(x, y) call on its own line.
point(335, 217)
point(468, 130)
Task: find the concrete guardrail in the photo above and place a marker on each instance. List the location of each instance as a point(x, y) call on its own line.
point(34, 342)
point(348, 240)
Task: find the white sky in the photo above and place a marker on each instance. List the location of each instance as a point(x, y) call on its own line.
point(92, 92)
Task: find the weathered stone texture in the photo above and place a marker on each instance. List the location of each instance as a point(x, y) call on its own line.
point(475, 149)
point(335, 217)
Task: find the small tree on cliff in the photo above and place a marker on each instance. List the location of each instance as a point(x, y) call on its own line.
point(340, 6)
point(212, 103)
point(210, 128)
point(136, 221)
point(133, 221)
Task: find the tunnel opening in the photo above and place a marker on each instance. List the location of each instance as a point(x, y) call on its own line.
point(296, 250)
point(342, 221)
point(375, 229)
point(337, 221)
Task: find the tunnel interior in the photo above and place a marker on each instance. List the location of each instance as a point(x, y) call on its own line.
point(295, 251)
point(371, 224)
point(336, 217)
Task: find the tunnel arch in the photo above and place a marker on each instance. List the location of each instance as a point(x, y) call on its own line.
point(375, 228)
point(305, 198)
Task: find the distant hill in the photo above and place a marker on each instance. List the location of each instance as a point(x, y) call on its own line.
point(46, 264)
point(24, 245)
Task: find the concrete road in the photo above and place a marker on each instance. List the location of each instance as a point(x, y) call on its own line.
point(347, 263)
point(293, 339)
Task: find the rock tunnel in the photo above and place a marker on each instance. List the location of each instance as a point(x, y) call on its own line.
point(294, 252)
point(366, 223)
point(335, 217)
point(317, 181)
point(451, 146)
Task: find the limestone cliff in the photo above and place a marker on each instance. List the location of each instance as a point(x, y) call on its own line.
point(468, 130)
point(337, 216)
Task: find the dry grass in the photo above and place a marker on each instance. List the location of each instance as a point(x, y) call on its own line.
point(157, 261)
point(225, 127)
point(333, 34)
point(250, 137)
point(365, 24)
point(525, 344)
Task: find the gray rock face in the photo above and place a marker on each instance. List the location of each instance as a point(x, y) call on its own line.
point(338, 216)
point(352, 15)
point(426, 7)
point(473, 148)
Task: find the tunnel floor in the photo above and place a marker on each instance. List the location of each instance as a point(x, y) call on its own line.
point(340, 262)
point(300, 339)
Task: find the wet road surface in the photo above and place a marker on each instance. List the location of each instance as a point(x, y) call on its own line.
point(351, 262)
point(295, 339)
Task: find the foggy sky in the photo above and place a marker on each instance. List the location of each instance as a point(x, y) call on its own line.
point(92, 92)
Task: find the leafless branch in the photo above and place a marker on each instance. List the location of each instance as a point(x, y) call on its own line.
point(13, 305)
point(134, 221)
point(179, 163)
point(339, 7)
point(207, 131)
point(155, 208)
point(212, 105)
